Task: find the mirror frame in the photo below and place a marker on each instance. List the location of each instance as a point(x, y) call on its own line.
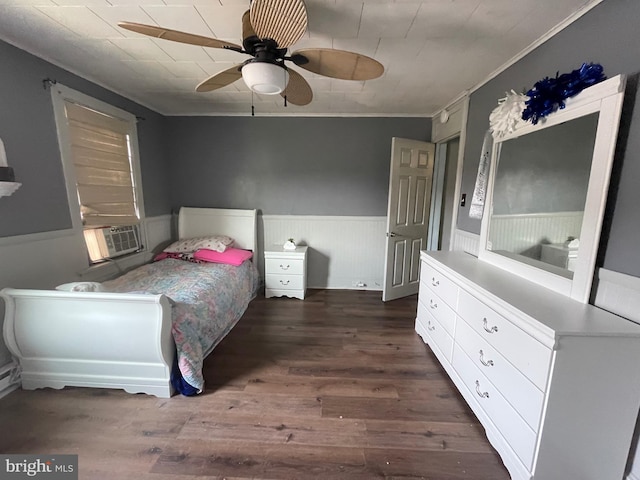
point(605, 98)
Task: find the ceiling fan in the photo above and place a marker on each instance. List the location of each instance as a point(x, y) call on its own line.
point(269, 28)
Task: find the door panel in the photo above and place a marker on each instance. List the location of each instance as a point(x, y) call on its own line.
point(407, 216)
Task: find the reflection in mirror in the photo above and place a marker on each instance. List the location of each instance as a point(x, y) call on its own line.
point(539, 195)
point(539, 175)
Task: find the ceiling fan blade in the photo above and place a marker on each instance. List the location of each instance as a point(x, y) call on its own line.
point(298, 90)
point(221, 79)
point(284, 21)
point(177, 36)
point(338, 64)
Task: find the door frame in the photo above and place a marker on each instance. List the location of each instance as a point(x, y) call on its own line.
point(446, 127)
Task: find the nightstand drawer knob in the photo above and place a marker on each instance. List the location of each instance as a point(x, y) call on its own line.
point(284, 283)
point(285, 267)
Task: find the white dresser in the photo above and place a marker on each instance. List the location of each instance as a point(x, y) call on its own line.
point(555, 382)
point(285, 272)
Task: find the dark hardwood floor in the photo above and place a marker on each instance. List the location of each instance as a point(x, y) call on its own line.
point(338, 386)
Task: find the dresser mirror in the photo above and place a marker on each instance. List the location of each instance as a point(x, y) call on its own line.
point(547, 190)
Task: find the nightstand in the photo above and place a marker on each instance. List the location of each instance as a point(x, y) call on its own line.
point(285, 272)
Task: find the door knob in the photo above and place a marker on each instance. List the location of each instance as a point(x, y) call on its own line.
point(392, 234)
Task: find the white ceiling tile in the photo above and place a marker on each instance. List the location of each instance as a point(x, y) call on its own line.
point(181, 52)
point(81, 3)
point(104, 51)
point(349, 86)
point(390, 20)
point(191, 2)
point(334, 19)
point(25, 3)
point(29, 27)
point(363, 46)
point(499, 16)
point(143, 49)
point(185, 70)
point(81, 21)
point(316, 42)
point(432, 50)
point(443, 19)
point(122, 13)
point(179, 17)
point(224, 22)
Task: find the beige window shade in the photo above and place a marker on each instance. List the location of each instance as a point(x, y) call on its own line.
point(100, 155)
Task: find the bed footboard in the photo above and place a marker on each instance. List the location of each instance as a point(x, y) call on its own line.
point(105, 340)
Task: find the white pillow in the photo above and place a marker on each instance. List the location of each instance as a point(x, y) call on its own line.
point(81, 287)
point(219, 243)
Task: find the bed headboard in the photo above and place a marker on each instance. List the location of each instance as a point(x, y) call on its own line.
point(241, 225)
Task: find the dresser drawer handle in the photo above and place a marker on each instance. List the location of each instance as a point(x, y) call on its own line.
point(481, 394)
point(486, 363)
point(284, 283)
point(283, 267)
point(430, 327)
point(432, 305)
point(434, 282)
point(493, 329)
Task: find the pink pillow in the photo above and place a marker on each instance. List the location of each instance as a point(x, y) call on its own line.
point(231, 256)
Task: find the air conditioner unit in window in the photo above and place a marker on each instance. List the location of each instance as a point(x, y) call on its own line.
point(111, 242)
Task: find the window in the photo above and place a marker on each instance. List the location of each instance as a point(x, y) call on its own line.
point(98, 144)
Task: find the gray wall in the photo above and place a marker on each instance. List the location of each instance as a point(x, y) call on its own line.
point(546, 171)
point(286, 165)
point(28, 130)
point(608, 35)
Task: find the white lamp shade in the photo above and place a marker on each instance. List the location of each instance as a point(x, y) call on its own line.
point(265, 78)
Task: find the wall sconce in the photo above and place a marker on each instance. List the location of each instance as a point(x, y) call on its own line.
point(8, 185)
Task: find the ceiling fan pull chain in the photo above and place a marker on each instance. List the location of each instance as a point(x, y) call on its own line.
point(253, 109)
point(285, 100)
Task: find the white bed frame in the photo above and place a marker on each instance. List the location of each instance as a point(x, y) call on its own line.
point(107, 340)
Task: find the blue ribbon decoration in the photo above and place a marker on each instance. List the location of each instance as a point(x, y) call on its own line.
point(549, 94)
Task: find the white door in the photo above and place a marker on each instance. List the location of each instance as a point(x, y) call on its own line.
point(407, 215)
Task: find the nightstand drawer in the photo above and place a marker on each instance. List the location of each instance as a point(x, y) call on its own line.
point(284, 282)
point(284, 266)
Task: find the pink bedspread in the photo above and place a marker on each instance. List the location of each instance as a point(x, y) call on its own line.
point(209, 299)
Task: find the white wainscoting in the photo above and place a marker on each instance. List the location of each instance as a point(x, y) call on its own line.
point(519, 233)
point(343, 251)
point(466, 242)
point(620, 294)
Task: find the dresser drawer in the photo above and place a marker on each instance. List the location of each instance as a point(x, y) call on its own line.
point(525, 353)
point(523, 395)
point(435, 331)
point(284, 282)
point(441, 285)
point(513, 428)
point(438, 308)
point(284, 265)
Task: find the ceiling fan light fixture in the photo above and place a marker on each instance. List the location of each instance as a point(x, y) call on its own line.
point(265, 78)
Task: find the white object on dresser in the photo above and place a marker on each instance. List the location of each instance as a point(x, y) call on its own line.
point(285, 272)
point(554, 382)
